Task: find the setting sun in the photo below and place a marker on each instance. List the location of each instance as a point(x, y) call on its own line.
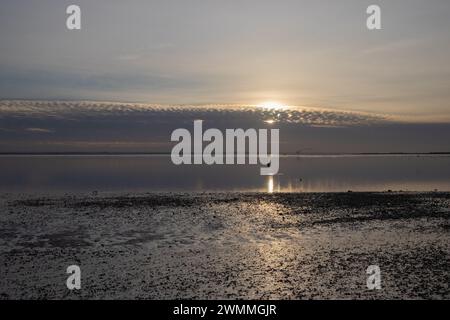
point(273, 105)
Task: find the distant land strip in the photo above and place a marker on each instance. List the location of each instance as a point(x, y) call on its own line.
point(168, 153)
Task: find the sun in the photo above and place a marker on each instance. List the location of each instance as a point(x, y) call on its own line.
point(272, 105)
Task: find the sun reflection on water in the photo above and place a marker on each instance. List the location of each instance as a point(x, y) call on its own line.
point(270, 184)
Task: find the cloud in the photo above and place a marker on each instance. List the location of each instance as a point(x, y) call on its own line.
point(39, 130)
point(117, 111)
point(96, 126)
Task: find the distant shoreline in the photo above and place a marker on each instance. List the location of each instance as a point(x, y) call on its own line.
point(168, 154)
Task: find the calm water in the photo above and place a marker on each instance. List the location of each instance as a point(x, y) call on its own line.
point(157, 173)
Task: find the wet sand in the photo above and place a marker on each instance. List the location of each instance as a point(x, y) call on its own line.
point(225, 246)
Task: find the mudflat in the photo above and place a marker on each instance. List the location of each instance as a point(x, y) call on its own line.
point(225, 245)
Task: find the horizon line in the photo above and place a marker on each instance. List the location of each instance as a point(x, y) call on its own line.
point(246, 154)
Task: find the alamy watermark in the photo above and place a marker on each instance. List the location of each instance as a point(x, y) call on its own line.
point(73, 282)
point(374, 279)
point(73, 21)
point(373, 22)
point(189, 150)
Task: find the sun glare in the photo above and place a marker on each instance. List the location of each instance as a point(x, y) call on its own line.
point(273, 105)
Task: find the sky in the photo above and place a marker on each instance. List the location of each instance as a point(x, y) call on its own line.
point(220, 60)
